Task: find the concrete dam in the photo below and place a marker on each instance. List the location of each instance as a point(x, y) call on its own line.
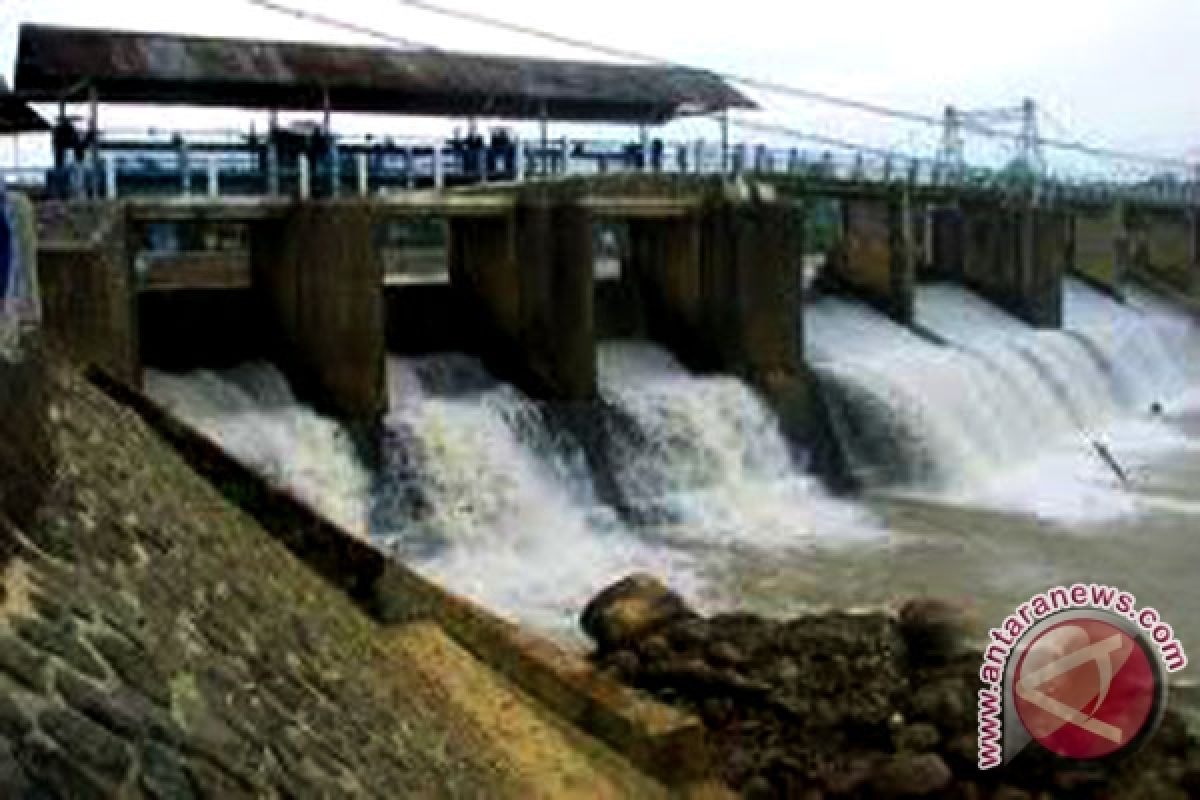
point(530, 392)
point(323, 453)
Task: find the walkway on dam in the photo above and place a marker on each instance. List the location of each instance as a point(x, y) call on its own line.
point(154, 641)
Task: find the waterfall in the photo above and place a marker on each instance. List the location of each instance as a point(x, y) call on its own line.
point(251, 412)
point(701, 460)
point(990, 411)
point(481, 492)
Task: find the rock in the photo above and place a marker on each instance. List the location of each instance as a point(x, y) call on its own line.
point(48, 766)
point(933, 629)
point(716, 710)
point(1011, 793)
point(919, 737)
point(1191, 780)
point(131, 663)
point(61, 637)
point(655, 651)
point(162, 775)
point(631, 609)
point(14, 722)
point(1172, 734)
point(786, 672)
point(689, 633)
point(1080, 778)
point(22, 662)
point(625, 662)
point(758, 786)
point(122, 710)
point(13, 782)
point(86, 743)
point(963, 751)
point(725, 654)
point(848, 777)
point(908, 775)
point(945, 704)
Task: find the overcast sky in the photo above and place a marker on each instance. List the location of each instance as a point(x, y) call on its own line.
point(1124, 73)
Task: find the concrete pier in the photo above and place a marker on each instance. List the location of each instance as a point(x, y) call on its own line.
point(1163, 243)
point(526, 281)
point(88, 287)
point(320, 279)
point(1100, 246)
point(713, 271)
point(878, 259)
point(1015, 256)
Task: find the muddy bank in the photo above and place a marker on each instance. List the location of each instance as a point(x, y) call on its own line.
point(853, 705)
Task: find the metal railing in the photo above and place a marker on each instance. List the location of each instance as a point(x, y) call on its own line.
point(177, 167)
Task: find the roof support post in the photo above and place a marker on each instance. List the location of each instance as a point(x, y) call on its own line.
point(439, 175)
point(92, 156)
point(110, 177)
point(185, 169)
point(725, 142)
point(364, 182)
point(335, 168)
point(272, 166)
point(214, 178)
point(644, 144)
point(303, 177)
point(544, 125)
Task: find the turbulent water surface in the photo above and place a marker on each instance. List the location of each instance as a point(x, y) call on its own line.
point(994, 459)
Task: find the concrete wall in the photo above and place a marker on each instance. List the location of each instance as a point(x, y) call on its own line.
point(1015, 257)
point(946, 239)
point(321, 282)
point(878, 260)
point(722, 290)
point(1100, 247)
point(526, 282)
point(880, 252)
point(1164, 244)
point(88, 289)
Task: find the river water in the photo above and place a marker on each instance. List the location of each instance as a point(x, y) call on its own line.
point(994, 461)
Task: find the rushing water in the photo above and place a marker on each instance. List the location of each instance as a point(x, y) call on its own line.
point(482, 492)
point(702, 460)
point(990, 412)
point(251, 411)
point(979, 442)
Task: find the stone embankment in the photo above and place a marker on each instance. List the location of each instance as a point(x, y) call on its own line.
point(854, 705)
point(157, 642)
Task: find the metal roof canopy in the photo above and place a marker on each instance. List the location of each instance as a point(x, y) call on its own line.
point(16, 116)
point(55, 63)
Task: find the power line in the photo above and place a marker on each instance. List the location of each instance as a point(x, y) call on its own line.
point(634, 55)
point(749, 81)
point(339, 24)
point(817, 138)
point(779, 88)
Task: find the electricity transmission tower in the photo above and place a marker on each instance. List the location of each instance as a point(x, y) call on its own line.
point(1029, 158)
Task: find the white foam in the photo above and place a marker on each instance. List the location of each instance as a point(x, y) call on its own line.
point(251, 412)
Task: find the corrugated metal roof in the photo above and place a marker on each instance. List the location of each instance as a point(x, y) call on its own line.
point(170, 69)
point(16, 116)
